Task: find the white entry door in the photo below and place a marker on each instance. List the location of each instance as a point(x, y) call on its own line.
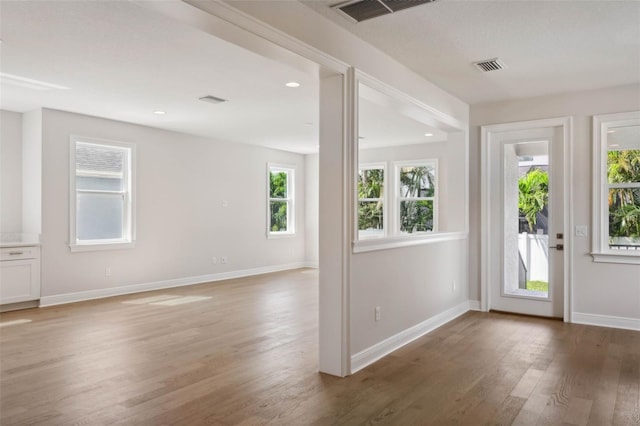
point(523, 220)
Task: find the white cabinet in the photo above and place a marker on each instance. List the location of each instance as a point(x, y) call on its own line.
point(19, 274)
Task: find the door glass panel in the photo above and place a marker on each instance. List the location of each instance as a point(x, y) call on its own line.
point(526, 219)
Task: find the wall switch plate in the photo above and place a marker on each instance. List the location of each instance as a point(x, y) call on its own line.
point(214, 260)
point(581, 231)
point(225, 203)
point(107, 272)
point(377, 313)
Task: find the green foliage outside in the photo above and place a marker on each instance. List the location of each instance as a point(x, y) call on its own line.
point(371, 186)
point(538, 286)
point(624, 203)
point(533, 195)
point(416, 215)
point(278, 209)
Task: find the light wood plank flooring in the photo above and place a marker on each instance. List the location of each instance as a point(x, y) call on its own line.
point(244, 352)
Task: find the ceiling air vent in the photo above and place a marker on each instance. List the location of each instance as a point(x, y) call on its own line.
point(212, 99)
point(361, 10)
point(487, 65)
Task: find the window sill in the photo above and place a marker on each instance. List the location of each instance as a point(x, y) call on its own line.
point(101, 246)
point(406, 241)
point(630, 259)
point(276, 236)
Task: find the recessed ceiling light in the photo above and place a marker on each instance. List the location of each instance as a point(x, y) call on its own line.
point(614, 144)
point(611, 131)
point(159, 112)
point(293, 84)
point(428, 134)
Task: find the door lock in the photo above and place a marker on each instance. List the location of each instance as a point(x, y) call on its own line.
point(558, 247)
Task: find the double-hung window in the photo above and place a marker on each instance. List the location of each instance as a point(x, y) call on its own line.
point(416, 196)
point(617, 185)
point(280, 210)
point(371, 217)
point(101, 199)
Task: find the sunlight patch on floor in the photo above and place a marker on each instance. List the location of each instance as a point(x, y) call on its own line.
point(14, 322)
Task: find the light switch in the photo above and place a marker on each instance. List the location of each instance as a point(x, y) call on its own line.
point(581, 231)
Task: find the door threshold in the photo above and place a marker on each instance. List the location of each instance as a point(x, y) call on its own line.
point(495, 311)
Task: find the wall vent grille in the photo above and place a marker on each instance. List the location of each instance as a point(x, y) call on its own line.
point(487, 65)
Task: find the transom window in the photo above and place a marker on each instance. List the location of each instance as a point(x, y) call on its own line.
point(280, 211)
point(101, 213)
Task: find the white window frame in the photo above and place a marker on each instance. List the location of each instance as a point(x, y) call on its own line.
point(600, 211)
point(385, 204)
point(290, 199)
point(128, 220)
point(398, 165)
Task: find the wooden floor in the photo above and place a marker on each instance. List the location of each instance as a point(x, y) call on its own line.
point(247, 355)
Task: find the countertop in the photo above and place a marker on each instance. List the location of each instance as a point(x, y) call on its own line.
point(18, 240)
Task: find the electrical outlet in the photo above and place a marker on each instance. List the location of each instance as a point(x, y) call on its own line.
point(224, 259)
point(107, 272)
point(377, 313)
point(214, 260)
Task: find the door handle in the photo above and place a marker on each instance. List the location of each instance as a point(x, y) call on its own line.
point(557, 247)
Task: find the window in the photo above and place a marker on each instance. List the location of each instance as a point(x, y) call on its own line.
point(416, 197)
point(371, 201)
point(101, 211)
point(280, 211)
point(617, 186)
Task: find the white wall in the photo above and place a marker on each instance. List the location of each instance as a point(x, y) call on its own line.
point(32, 172)
point(181, 183)
point(599, 288)
point(10, 172)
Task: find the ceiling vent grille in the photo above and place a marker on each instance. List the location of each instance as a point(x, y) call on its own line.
point(487, 65)
point(361, 10)
point(212, 99)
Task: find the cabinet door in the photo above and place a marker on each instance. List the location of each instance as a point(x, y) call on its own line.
point(19, 281)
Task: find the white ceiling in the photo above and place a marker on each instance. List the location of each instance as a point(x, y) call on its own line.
point(548, 46)
point(122, 61)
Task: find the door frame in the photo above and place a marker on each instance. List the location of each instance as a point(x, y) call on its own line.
point(487, 139)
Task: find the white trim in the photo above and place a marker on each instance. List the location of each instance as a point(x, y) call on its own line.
point(363, 246)
point(390, 344)
point(119, 245)
point(629, 259)
point(486, 131)
point(60, 299)
point(607, 321)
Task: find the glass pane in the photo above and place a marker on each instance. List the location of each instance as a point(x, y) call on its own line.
point(370, 183)
point(623, 166)
point(99, 216)
point(624, 219)
point(99, 183)
point(105, 164)
point(370, 217)
point(417, 182)
point(278, 185)
point(278, 210)
point(416, 216)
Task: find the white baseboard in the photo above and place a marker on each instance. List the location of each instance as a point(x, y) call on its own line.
point(474, 305)
point(385, 347)
point(607, 321)
point(159, 285)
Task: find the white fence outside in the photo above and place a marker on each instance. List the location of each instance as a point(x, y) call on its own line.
point(534, 249)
